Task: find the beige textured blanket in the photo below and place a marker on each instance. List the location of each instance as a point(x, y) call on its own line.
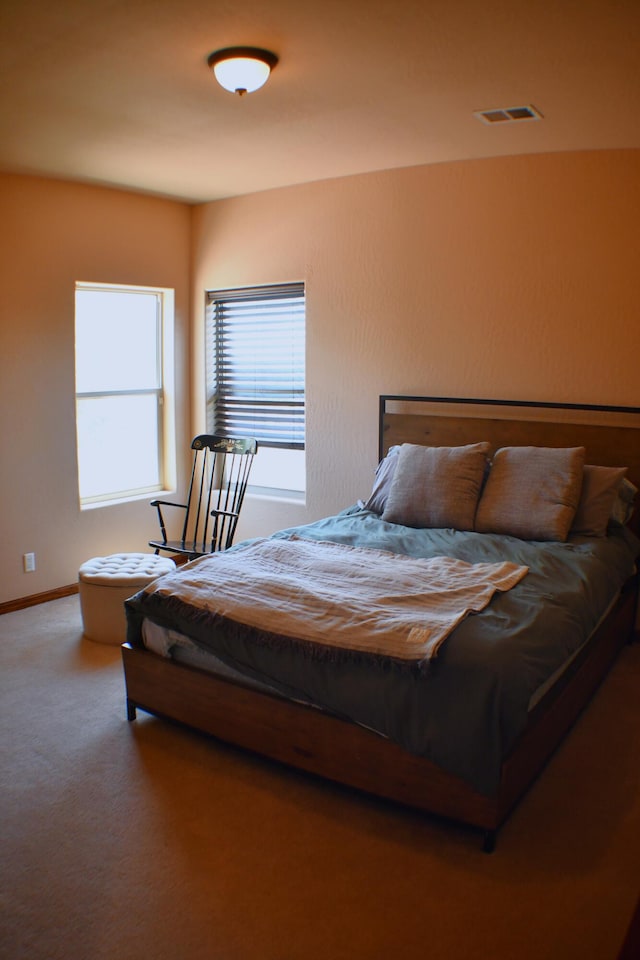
point(338, 596)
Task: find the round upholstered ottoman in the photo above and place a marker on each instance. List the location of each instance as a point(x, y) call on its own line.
point(106, 582)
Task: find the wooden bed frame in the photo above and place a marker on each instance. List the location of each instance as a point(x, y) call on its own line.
point(322, 744)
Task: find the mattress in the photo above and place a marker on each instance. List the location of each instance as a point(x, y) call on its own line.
point(173, 645)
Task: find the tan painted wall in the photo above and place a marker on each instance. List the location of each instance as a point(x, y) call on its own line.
point(511, 278)
point(52, 235)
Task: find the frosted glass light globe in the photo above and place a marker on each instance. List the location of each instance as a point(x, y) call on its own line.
point(242, 75)
point(242, 69)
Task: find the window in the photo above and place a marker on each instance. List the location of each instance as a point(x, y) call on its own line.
point(256, 377)
point(124, 355)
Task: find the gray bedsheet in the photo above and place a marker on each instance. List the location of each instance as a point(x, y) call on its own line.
point(465, 709)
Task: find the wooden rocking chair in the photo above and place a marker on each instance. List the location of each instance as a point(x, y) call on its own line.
point(219, 476)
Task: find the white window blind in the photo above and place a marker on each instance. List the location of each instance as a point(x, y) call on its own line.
point(256, 364)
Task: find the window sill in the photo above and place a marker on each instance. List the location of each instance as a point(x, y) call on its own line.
point(118, 501)
point(274, 494)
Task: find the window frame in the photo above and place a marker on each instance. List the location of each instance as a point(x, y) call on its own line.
point(164, 393)
point(225, 307)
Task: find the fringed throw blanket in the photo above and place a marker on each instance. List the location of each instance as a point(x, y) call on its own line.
point(338, 597)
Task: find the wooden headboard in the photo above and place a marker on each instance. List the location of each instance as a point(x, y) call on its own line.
point(611, 435)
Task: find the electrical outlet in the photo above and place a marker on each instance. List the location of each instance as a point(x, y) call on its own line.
point(29, 562)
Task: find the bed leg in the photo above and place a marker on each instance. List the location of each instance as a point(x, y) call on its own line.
point(489, 841)
point(131, 710)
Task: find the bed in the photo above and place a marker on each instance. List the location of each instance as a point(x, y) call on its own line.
point(457, 719)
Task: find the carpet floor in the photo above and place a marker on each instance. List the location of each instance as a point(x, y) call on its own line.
point(127, 840)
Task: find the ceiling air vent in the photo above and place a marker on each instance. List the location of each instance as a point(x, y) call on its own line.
point(508, 115)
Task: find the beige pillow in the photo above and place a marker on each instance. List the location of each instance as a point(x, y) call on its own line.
point(600, 487)
point(532, 492)
point(436, 486)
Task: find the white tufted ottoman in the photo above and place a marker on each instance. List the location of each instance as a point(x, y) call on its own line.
point(106, 582)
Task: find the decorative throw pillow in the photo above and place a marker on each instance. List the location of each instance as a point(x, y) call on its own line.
point(624, 502)
point(600, 487)
point(382, 483)
point(436, 486)
point(532, 492)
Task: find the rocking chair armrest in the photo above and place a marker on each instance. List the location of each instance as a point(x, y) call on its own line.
point(224, 513)
point(158, 504)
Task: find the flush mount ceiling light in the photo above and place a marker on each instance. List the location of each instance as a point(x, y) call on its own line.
point(242, 69)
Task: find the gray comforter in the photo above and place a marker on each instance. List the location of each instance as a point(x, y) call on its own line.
point(464, 709)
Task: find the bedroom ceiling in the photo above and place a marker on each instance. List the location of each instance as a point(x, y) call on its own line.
point(118, 92)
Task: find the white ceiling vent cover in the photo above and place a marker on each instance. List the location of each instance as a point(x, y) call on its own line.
point(508, 115)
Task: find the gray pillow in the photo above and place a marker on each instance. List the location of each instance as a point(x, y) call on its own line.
point(436, 486)
point(532, 492)
point(382, 483)
point(623, 504)
point(600, 487)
